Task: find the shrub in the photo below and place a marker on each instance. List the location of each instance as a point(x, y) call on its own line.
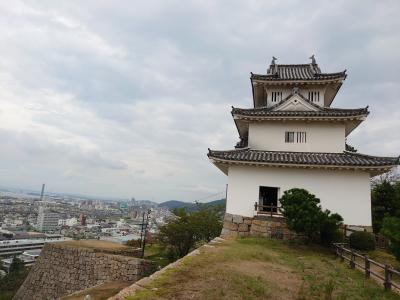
point(391, 229)
point(362, 240)
point(134, 243)
point(304, 215)
point(338, 237)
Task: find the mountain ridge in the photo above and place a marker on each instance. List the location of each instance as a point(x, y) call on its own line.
point(174, 204)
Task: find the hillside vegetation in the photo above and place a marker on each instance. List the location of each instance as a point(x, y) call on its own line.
point(256, 268)
point(189, 206)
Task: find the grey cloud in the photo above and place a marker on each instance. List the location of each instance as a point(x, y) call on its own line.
point(111, 98)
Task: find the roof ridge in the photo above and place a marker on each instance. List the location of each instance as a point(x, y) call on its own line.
point(231, 150)
point(346, 152)
point(367, 155)
point(345, 109)
point(293, 65)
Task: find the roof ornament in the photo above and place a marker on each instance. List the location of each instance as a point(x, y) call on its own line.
point(273, 68)
point(313, 61)
point(295, 90)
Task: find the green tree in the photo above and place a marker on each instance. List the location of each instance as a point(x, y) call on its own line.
point(17, 265)
point(391, 229)
point(179, 235)
point(304, 215)
point(10, 283)
point(385, 196)
point(207, 221)
point(182, 233)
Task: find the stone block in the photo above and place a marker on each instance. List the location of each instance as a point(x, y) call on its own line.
point(230, 226)
point(258, 228)
point(237, 219)
point(228, 217)
point(243, 228)
point(259, 223)
point(233, 233)
point(225, 232)
point(247, 220)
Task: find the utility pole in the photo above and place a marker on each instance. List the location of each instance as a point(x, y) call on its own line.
point(141, 231)
point(145, 231)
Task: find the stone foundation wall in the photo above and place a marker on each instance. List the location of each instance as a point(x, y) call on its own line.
point(266, 226)
point(61, 270)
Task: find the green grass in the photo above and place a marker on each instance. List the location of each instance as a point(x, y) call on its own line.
point(256, 268)
point(157, 255)
point(384, 257)
point(101, 292)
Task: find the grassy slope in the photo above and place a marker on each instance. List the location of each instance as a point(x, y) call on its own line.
point(263, 269)
point(101, 292)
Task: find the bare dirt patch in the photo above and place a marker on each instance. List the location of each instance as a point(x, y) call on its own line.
point(282, 277)
point(95, 244)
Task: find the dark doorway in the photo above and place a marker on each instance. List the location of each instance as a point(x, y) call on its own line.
point(268, 199)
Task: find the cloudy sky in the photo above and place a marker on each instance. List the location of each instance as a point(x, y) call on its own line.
point(123, 98)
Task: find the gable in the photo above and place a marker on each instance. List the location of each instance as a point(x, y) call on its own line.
point(296, 103)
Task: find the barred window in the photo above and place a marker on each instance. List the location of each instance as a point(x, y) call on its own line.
point(276, 96)
point(299, 137)
point(313, 96)
point(289, 137)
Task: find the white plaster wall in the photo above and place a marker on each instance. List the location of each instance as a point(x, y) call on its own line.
point(321, 136)
point(343, 192)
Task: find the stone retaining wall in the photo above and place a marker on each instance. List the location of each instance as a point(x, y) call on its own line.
point(61, 270)
point(266, 226)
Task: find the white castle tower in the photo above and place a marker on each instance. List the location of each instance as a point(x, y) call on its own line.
point(294, 138)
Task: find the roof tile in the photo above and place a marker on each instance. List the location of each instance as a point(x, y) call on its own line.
point(297, 72)
point(304, 158)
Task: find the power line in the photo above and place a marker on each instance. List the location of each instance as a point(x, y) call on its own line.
point(209, 196)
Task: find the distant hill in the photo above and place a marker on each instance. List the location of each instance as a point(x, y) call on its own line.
point(190, 206)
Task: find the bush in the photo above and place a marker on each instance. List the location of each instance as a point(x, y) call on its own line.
point(362, 240)
point(338, 237)
point(304, 216)
point(391, 229)
point(134, 243)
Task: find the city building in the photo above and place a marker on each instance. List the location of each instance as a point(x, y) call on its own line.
point(47, 220)
point(293, 138)
point(27, 257)
point(13, 247)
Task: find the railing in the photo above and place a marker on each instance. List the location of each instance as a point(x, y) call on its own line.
point(364, 263)
point(272, 210)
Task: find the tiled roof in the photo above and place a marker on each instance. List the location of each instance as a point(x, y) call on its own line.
point(323, 112)
point(297, 72)
point(304, 158)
